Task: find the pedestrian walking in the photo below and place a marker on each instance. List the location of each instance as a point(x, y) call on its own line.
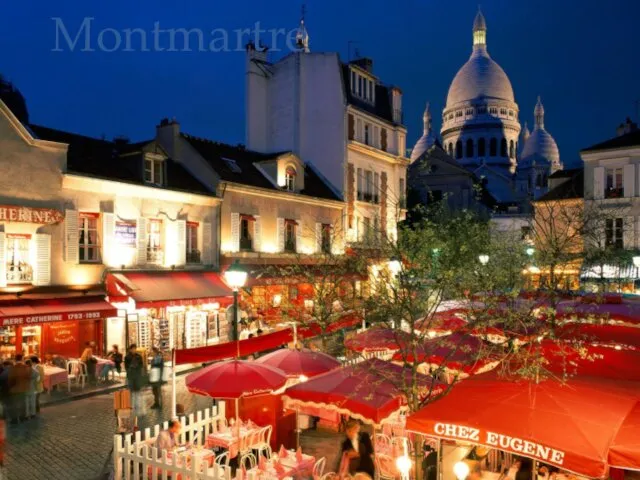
point(5, 396)
point(30, 395)
point(19, 383)
point(134, 366)
point(37, 366)
point(155, 377)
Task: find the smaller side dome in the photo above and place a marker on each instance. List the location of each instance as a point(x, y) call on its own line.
point(428, 138)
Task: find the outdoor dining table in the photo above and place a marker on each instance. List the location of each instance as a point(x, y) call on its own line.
point(291, 468)
point(206, 457)
point(229, 440)
point(54, 376)
point(101, 362)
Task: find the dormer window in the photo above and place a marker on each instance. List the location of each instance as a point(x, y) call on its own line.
point(290, 179)
point(362, 87)
point(153, 170)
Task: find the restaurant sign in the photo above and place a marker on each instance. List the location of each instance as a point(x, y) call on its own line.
point(6, 321)
point(500, 441)
point(43, 216)
point(125, 234)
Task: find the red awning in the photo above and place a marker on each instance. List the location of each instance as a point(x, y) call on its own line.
point(623, 311)
point(574, 426)
point(605, 334)
point(162, 289)
point(29, 312)
point(370, 391)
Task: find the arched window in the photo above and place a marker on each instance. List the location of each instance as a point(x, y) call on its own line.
point(493, 147)
point(512, 151)
point(481, 148)
point(290, 179)
point(469, 148)
point(458, 149)
point(503, 147)
point(451, 149)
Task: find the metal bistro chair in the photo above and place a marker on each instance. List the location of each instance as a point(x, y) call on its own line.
point(248, 461)
point(77, 372)
point(263, 444)
point(223, 459)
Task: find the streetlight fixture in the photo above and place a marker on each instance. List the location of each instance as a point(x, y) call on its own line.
point(461, 470)
point(636, 261)
point(530, 251)
point(236, 277)
point(484, 259)
point(403, 463)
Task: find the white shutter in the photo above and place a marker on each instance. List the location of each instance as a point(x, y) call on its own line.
point(207, 244)
point(181, 232)
point(318, 238)
point(598, 183)
point(299, 236)
point(3, 263)
point(42, 265)
point(628, 237)
point(108, 238)
point(637, 232)
point(235, 232)
point(72, 250)
point(629, 181)
point(257, 234)
point(280, 234)
point(141, 240)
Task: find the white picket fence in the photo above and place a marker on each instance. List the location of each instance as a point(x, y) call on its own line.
point(135, 456)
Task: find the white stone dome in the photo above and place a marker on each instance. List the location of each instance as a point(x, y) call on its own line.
point(428, 138)
point(480, 77)
point(540, 145)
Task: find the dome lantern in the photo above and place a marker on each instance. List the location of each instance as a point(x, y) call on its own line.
point(426, 119)
point(479, 30)
point(538, 113)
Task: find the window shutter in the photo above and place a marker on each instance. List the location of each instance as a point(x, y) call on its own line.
point(3, 264)
point(318, 238)
point(235, 232)
point(628, 238)
point(598, 183)
point(299, 236)
point(257, 234)
point(280, 234)
point(629, 181)
point(141, 240)
point(207, 244)
point(637, 232)
point(108, 238)
point(352, 127)
point(383, 140)
point(43, 259)
point(181, 231)
point(71, 237)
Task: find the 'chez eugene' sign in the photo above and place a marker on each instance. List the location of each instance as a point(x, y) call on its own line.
point(43, 216)
point(500, 441)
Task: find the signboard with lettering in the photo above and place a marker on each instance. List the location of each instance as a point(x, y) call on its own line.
point(43, 216)
point(125, 233)
point(8, 320)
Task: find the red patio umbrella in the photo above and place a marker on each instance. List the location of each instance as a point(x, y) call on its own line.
point(624, 311)
point(583, 426)
point(295, 363)
point(377, 339)
point(605, 334)
point(447, 321)
point(370, 391)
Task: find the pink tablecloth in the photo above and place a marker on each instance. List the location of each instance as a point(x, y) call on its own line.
point(54, 376)
point(229, 439)
point(206, 458)
point(101, 363)
point(290, 466)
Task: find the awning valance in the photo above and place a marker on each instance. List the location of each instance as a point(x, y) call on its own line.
point(31, 312)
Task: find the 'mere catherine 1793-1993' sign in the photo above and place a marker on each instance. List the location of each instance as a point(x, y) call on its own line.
point(44, 216)
point(500, 441)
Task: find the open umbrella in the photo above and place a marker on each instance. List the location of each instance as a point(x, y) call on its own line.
point(602, 334)
point(377, 339)
point(296, 363)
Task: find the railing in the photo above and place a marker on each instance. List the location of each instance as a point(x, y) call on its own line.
point(194, 256)
point(155, 255)
point(246, 244)
point(614, 192)
point(290, 246)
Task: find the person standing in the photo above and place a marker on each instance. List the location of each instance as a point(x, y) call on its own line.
point(155, 377)
point(357, 451)
point(19, 382)
point(30, 396)
point(37, 366)
point(4, 389)
point(134, 366)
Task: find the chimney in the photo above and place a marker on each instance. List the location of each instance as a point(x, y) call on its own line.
point(364, 63)
point(627, 127)
point(167, 133)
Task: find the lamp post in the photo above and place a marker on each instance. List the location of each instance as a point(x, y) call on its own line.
point(236, 277)
point(530, 251)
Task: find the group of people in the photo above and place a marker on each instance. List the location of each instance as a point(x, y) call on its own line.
point(138, 377)
point(21, 384)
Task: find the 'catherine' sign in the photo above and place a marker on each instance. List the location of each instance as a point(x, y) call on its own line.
point(44, 216)
point(47, 318)
point(500, 441)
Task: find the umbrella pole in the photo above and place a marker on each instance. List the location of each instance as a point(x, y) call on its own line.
point(237, 412)
point(173, 384)
point(297, 428)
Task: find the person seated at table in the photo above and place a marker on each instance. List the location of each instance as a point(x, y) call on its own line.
point(167, 439)
point(116, 357)
point(357, 450)
point(90, 361)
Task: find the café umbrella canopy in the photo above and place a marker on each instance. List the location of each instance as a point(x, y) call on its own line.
point(300, 363)
point(583, 426)
point(377, 339)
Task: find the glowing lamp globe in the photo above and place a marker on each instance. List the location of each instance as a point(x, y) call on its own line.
point(235, 276)
point(461, 470)
point(404, 465)
point(484, 259)
point(530, 251)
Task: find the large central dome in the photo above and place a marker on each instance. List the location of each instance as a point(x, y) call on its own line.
point(480, 77)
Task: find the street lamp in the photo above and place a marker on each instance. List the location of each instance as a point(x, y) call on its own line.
point(530, 251)
point(461, 470)
point(484, 259)
point(236, 277)
point(403, 463)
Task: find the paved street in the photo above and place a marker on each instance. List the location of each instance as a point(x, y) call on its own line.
point(72, 441)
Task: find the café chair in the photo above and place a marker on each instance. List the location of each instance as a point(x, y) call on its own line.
point(318, 468)
point(263, 444)
point(77, 372)
point(223, 459)
point(248, 461)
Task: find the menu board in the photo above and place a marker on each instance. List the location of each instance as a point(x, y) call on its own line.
point(125, 233)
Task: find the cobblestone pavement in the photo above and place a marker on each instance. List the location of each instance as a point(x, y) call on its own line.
point(72, 441)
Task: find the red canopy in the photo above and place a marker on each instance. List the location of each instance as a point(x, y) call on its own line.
point(575, 426)
point(625, 311)
point(377, 339)
point(370, 391)
point(447, 321)
point(606, 334)
point(458, 351)
point(300, 362)
point(235, 379)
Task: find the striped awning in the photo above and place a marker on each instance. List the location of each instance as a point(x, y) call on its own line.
point(610, 272)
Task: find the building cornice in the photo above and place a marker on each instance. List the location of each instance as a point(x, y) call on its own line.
point(279, 194)
point(374, 118)
point(378, 154)
point(610, 154)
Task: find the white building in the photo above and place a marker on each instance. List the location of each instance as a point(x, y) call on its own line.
point(339, 117)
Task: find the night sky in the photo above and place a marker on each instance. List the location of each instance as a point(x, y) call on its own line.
point(580, 55)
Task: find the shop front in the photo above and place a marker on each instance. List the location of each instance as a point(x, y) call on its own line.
point(52, 326)
point(168, 310)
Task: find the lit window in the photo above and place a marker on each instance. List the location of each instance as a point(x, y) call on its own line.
point(88, 237)
point(614, 233)
point(19, 269)
point(290, 179)
point(615, 186)
point(290, 236)
point(247, 223)
point(193, 254)
point(154, 241)
point(153, 171)
point(326, 238)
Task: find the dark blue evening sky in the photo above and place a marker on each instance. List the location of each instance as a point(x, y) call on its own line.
point(580, 55)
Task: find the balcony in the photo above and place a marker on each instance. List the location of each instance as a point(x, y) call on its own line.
point(246, 244)
point(194, 256)
point(155, 256)
point(614, 192)
point(290, 246)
